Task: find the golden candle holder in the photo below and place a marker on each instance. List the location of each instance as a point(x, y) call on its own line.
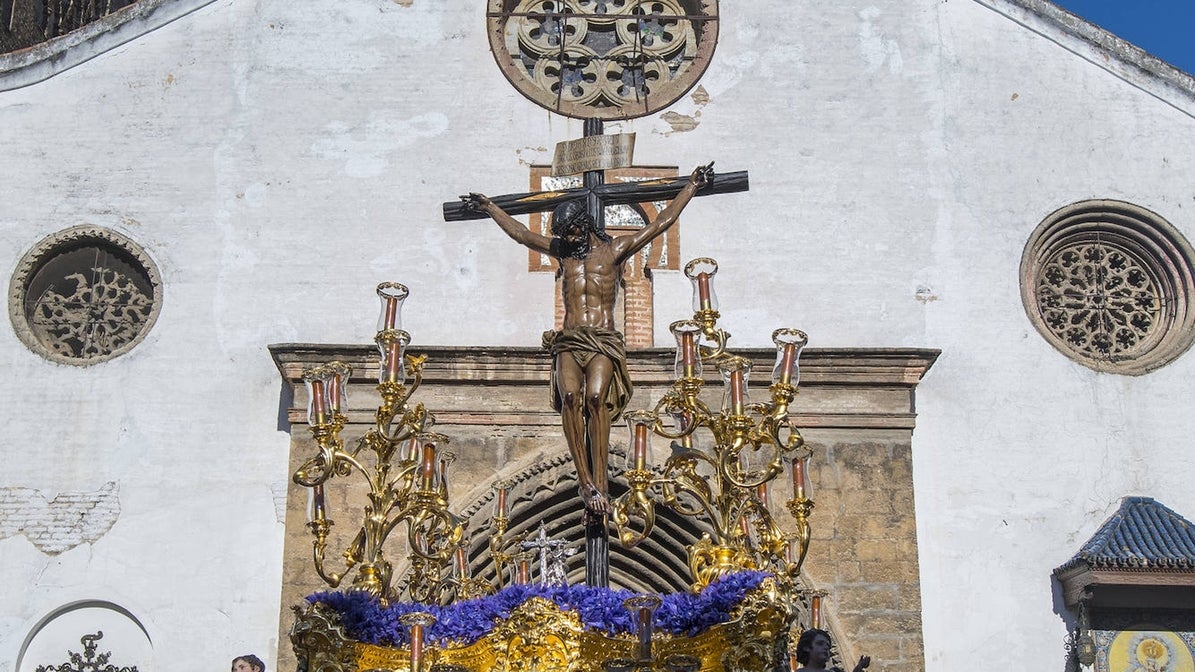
point(724, 481)
point(407, 477)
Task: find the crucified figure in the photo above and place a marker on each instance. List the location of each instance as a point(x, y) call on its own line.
point(590, 383)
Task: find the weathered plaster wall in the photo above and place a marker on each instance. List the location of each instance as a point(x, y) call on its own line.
point(278, 159)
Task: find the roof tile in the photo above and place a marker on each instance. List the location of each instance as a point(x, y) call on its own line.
point(1142, 534)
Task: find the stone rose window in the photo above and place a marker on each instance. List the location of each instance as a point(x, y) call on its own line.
point(1109, 284)
point(84, 295)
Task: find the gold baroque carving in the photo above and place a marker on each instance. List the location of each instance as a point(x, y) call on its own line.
point(99, 318)
point(539, 636)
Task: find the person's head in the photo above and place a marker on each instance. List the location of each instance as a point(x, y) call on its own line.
point(813, 645)
point(248, 663)
point(572, 224)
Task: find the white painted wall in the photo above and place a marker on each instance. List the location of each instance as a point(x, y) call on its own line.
point(278, 159)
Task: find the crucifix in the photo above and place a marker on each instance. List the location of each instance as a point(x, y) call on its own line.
point(552, 556)
point(603, 64)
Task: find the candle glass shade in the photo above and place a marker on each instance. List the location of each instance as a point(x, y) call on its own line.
point(789, 343)
point(688, 355)
point(316, 504)
point(418, 622)
point(735, 372)
point(392, 296)
point(754, 461)
point(701, 272)
point(460, 563)
point(392, 346)
point(317, 380)
point(523, 568)
point(640, 424)
point(338, 387)
point(409, 450)
point(800, 478)
point(501, 494)
point(446, 459)
point(642, 607)
point(430, 472)
point(764, 492)
point(680, 424)
point(750, 534)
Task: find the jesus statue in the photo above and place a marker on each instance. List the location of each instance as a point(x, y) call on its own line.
point(590, 383)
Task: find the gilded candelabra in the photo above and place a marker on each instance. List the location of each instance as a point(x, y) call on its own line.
point(726, 481)
point(507, 551)
point(407, 475)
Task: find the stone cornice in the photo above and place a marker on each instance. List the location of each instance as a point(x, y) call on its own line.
point(870, 388)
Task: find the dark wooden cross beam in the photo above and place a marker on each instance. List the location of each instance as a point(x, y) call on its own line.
point(597, 193)
point(605, 194)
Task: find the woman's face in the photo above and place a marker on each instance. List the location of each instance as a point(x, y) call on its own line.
point(239, 665)
point(819, 650)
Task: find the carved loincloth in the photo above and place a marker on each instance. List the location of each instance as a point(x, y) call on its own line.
point(583, 344)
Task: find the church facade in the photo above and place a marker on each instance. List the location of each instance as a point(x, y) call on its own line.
point(979, 210)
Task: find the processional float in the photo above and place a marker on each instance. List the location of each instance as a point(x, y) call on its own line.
point(594, 60)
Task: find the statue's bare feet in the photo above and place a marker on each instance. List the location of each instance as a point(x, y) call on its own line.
point(596, 502)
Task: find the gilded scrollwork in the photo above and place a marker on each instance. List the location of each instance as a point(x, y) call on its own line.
point(539, 636)
point(319, 641)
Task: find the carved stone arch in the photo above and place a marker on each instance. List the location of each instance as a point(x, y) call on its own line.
point(547, 492)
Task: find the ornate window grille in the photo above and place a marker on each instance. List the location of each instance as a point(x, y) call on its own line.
point(1109, 284)
point(84, 296)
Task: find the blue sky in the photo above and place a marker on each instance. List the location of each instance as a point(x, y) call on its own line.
point(1164, 28)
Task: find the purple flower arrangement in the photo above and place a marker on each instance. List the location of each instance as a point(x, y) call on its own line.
point(600, 609)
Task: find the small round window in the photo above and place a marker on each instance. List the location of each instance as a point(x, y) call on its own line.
point(1109, 284)
point(84, 295)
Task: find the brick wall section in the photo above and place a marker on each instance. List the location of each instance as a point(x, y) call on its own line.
point(637, 305)
point(58, 525)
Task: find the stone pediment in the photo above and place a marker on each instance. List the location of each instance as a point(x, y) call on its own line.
point(42, 61)
point(1086, 40)
point(1100, 47)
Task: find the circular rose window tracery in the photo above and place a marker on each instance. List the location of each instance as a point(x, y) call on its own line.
point(84, 295)
point(1109, 284)
point(603, 59)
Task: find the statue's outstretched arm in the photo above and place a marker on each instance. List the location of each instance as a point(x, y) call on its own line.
point(699, 178)
point(513, 227)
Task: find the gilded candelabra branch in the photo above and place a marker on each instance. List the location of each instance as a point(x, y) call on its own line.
point(505, 551)
point(407, 475)
point(725, 482)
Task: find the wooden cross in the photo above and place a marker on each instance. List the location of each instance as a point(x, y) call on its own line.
point(597, 195)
